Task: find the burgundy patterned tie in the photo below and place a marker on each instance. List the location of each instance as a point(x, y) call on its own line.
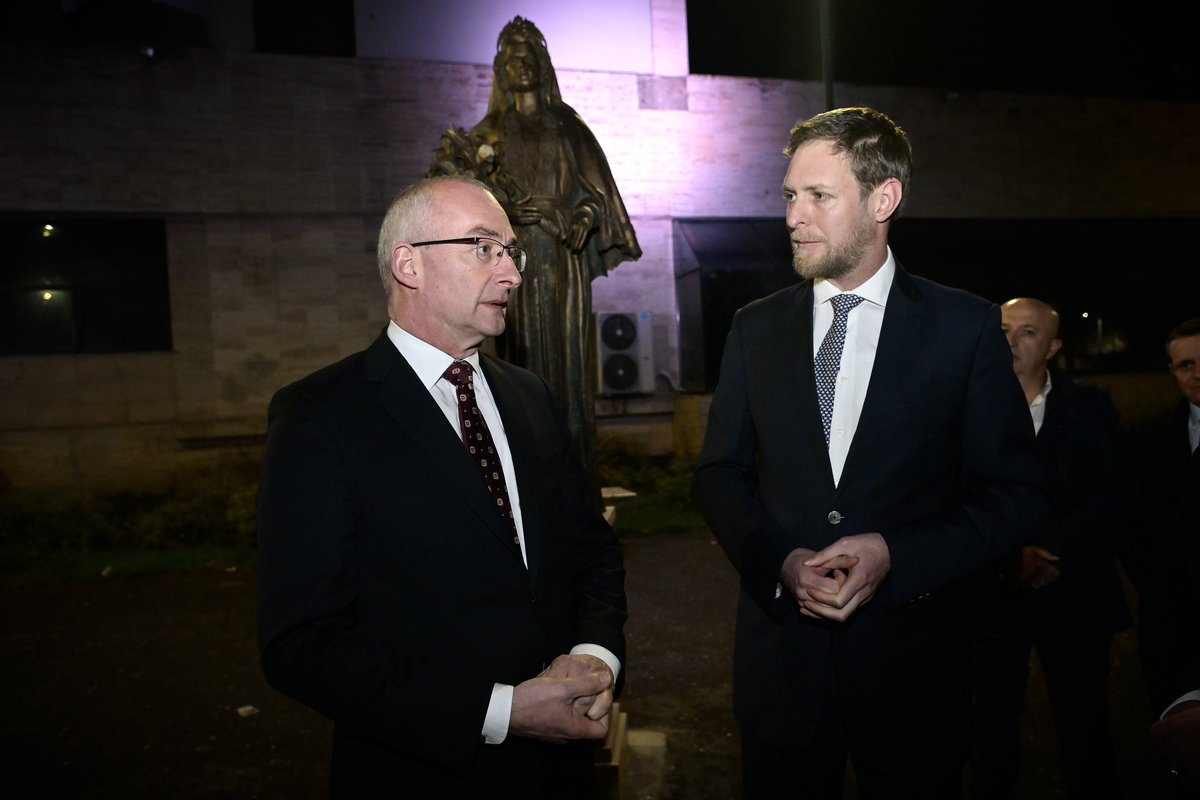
point(479, 443)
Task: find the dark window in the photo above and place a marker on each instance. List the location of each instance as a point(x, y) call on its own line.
point(83, 285)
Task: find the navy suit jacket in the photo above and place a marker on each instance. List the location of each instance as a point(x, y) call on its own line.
point(1164, 456)
point(1169, 605)
point(391, 597)
point(1092, 486)
point(942, 465)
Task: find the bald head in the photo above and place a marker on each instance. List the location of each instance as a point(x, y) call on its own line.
point(1047, 313)
point(1031, 327)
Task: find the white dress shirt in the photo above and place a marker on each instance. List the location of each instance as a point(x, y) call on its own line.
point(858, 354)
point(1037, 409)
point(430, 363)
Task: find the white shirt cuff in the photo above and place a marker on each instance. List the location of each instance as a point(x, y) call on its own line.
point(602, 653)
point(499, 712)
point(1192, 695)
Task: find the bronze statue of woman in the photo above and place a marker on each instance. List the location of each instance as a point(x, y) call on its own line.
point(552, 178)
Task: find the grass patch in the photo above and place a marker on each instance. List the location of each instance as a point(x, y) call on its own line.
point(203, 519)
point(97, 565)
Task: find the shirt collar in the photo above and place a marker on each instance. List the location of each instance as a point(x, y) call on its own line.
point(874, 290)
point(426, 360)
point(1041, 398)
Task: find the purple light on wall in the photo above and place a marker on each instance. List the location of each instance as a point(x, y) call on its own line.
point(613, 36)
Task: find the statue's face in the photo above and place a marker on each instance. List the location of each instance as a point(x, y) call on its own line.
point(521, 67)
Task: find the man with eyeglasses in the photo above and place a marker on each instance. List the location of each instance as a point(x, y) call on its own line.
point(1162, 557)
point(434, 575)
point(1166, 448)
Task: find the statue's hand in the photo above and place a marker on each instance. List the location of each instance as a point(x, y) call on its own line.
point(577, 235)
point(582, 223)
point(524, 212)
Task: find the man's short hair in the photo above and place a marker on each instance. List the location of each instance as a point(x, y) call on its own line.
point(876, 147)
point(1183, 330)
point(408, 219)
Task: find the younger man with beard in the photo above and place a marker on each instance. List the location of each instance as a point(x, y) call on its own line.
point(868, 448)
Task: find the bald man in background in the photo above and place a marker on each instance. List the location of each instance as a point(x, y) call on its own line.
point(1060, 594)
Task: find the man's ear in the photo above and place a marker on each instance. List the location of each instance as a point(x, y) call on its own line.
point(887, 197)
point(404, 269)
point(1055, 346)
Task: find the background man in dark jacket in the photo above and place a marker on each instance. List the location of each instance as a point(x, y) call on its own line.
point(1060, 593)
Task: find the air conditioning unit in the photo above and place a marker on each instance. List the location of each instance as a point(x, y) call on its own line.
point(626, 344)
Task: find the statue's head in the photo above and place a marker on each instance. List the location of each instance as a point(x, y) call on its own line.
point(522, 64)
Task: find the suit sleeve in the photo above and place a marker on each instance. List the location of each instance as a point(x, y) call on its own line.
point(1096, 480)
point(311, 648)
point(725, 484)
point(1169, 605)
point(1000, 495)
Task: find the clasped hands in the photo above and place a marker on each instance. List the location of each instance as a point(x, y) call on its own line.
point(1038, 569)
point(570, 699)
point(835, 582)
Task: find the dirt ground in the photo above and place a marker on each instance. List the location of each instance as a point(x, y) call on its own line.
point(149, 688)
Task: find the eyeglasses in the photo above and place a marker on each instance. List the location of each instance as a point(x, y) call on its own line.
point(1187, 365)
point(488, 251)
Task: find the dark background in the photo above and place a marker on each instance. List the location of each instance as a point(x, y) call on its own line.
point(1095, 48)
point(1101, 48)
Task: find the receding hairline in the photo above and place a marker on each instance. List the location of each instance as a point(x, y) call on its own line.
point(409, 215)
point(1050, 311)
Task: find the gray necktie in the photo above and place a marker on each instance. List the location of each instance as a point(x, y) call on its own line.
point(829, 357)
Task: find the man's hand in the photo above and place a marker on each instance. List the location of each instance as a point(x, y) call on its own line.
point(569, 666)
point(557, 705)
point(1177, 736)
point(800, 580)
point(1037, 567)
point(866, 562)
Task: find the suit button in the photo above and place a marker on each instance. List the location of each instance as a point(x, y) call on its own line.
point(834, 518)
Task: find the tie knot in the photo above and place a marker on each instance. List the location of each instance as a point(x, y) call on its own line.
point(458, 373)
point(843, 303)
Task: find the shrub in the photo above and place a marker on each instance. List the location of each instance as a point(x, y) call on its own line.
point(209, 508)
point(663, 485)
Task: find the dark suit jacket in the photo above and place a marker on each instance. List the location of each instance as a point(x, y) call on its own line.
point(942, 465)
point(1091, 484)
point(1169, 600)
point(1163, 457)
point(390, 596)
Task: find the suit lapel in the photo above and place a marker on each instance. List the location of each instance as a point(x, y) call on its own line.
point(801, 383)
point(409, 403)
point(898, 338)
point(519, 430)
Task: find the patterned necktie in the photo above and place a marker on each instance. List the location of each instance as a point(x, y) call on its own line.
point(829, 357)
point(479, 443)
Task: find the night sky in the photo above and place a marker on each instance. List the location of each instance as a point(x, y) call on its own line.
point(1094, 49)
